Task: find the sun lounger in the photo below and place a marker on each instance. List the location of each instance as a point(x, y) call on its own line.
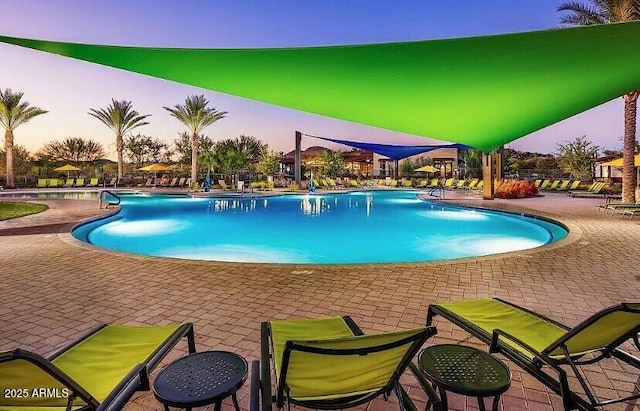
point(173, 182)
point(93, 182)
point(53, 183)
point(472, 184)
point(564, 185)
point(42, 183)
point(79, 182)
point(68, 182)
point(112, 182)
point(544, 184)
point(545, 348)
point(593, 191)
point(553, 186)
point(537, 183)
point(328, 363)
point(448, 183)
point(99, 371)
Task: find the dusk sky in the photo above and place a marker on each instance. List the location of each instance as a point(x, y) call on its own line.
point(68, 88)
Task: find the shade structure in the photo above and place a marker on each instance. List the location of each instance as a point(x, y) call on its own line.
point(480, 91)
point(427, 169)
point(67, 167)
point(618, 162)
point(392, 151)
point(155, 167)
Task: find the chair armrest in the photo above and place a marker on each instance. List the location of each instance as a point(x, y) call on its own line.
point(254, 395)
point(425, 384)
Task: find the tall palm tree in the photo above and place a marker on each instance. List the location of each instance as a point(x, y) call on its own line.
point(196, 116)
point(604, 12)
point(121, 118)
point(13, 113)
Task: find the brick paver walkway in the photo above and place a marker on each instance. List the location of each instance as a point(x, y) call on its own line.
point(54, 288)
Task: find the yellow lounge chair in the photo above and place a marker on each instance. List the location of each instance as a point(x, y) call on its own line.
point(100, 370)
point(93, 182)
point(544, 347)
point(328, 363)
point(79, 182)
point(42, 183)
point(68, 182)
point(53, 183)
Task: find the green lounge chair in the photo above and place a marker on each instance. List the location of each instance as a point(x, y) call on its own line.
point(53, 183)
point(42, 183)
point(448, 183)
point(541, 345)
point(423, 184)
point(101, 370)
point(79, 182)
point(537, 183)
point(93, 182)
point(353, 183)
point(544, 184)
point(68, 183)
point(393, 183)
point(407, 183)
point(564, 186)
point(460, 184)
point(594, 190)
point(554, 185)
point(328, 363)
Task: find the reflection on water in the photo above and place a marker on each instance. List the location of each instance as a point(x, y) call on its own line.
point(69, 195)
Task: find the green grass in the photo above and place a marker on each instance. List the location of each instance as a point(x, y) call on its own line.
point(15, 210)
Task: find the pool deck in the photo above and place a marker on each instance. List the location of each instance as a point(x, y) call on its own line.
point(54, 288)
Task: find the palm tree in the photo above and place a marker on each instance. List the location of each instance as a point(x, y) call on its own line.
point(13, 113)
point(121, 118)
point(196, 116)
point(604, 12)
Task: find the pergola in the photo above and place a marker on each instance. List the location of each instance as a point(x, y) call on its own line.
point(479, 91)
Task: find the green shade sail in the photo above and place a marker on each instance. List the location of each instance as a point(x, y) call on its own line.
point(479, 91)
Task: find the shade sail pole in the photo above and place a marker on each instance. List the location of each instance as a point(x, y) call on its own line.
point(487, 175)
point(297, 167)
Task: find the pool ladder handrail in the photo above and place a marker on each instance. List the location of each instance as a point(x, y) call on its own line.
point(101, 198)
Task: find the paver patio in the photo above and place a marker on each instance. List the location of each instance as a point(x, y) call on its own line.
point(54, 288)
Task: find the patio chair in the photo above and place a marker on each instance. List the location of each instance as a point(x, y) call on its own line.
point(393, 183)
point(460, 184)
point(53, 183)
point(448, 183)
point(594, 190)
point(554, 185)
point(540, 345)
point(472, 184)
point(112, 182)
point(79, 182)
point(101, 370)
point(564, 185)
point(544, 184)
point(92, 183)
point(42, 183)
point(328, 363)
point(68, 182)
point(537, 182)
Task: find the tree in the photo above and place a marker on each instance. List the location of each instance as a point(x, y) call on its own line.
point(72, 150)
point(196, 116)
point(577, 156)
point(332, 163)
point(408, 166)
point(141, 149)
point(604, 12)
point(183, 146)
point(269, 163)
point(473, 162)
point(228, 157)
point(120, 117)
point(21, 160)
point(13, 113)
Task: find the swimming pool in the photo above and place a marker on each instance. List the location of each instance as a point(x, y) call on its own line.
point(359, 227)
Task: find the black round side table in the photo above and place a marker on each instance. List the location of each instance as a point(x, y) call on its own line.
point(201, 379)
point(465, 370)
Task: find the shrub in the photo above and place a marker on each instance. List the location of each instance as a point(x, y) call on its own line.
point(515, 189)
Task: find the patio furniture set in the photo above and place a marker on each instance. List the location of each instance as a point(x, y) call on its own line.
point(326, 363)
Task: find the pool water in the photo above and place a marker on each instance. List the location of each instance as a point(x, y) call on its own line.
point(359, 227)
